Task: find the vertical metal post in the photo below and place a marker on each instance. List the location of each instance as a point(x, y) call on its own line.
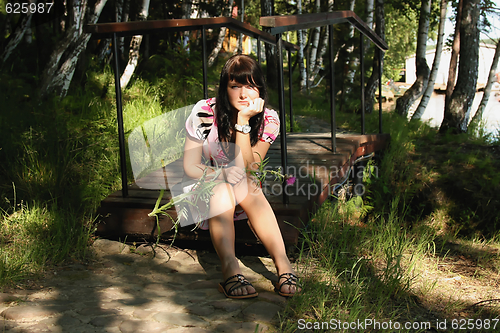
point(281, 91)
point(204, 56)
point(242, 16)
point(258, 50)
point(332, 91)
point(290, 87)
point(380, 70)
point(362, 71)
point(119, 118)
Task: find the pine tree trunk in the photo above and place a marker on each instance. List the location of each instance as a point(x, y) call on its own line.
point(456, 114)
point(435, 65)
point(135, 46)
point(487, 90)
point(455, 51)
point(57, 75)
point(404, 103)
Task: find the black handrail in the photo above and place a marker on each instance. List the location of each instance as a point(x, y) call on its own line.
point(120, 29)
point(280, 24)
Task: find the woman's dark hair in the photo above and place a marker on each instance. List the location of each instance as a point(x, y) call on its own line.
point(244, 70)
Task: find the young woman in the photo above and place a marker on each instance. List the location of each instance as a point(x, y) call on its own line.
point(235, 131)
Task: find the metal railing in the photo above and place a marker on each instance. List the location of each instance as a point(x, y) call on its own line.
point(121, 29)
point(280, 24)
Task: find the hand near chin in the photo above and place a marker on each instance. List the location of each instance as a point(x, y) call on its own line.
point(255, 107)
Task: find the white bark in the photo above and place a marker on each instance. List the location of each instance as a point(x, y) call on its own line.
point(350, 73)
point(487, 89)
point(135, 46)
point(369, 13)
point(404, 103)
point(435, 65)
point(314, 45)
point(22, 31)
point(220, 40)
point(319, 61)
point(300, 54)
point(59, 72)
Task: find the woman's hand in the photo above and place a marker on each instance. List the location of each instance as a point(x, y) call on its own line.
point(255, 107)
point(233, 175)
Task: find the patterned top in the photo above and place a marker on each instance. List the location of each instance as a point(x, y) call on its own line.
point(201, 125)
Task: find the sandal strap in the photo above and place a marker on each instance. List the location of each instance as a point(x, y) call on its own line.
point(239, 282)
point(291, 280)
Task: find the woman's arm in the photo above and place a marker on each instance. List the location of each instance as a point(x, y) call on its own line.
point(193, 167)
point(251, 154)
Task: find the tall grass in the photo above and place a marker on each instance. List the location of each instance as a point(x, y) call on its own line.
point(59, 159)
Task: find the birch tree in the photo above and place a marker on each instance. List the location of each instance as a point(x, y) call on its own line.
point(59, 71)
point(267, 9)
point(435, 64)
point(487, 89)
point(222, 35)
point(404, 103)
point(314, 43)
point(373, 80)
point(457, 112)
point(17, 36)
point(300, 53)
point(135, 46)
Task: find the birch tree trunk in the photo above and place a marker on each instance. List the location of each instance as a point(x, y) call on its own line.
point(314, 46)
point(373, 80)
point(57, 75)
point(186, 6)
point(300, 53)
point(476, 120)
point(456, 114)
point(369, 13)
point(222, 35)
point(21, 31)
point(135, 46)
point(319, 60)
point(435, 64)
point(404, 103)
point(267, 9)
point(350, 72)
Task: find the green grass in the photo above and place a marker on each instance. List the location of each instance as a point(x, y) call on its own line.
point(435, 197)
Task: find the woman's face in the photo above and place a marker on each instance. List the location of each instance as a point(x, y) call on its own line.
point(240, 95)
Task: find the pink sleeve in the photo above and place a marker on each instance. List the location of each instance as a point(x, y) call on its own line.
point(201, 119)
point(271, 126)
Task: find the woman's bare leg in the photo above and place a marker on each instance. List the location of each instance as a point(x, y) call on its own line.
point(222, 233)
point(265, 225)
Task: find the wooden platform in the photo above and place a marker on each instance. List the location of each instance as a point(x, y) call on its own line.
point(310, 159)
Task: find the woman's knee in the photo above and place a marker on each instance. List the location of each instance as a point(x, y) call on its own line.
point(222, 200)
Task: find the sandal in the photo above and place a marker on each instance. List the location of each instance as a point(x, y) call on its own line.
point(238, 283)
point(291, 280)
